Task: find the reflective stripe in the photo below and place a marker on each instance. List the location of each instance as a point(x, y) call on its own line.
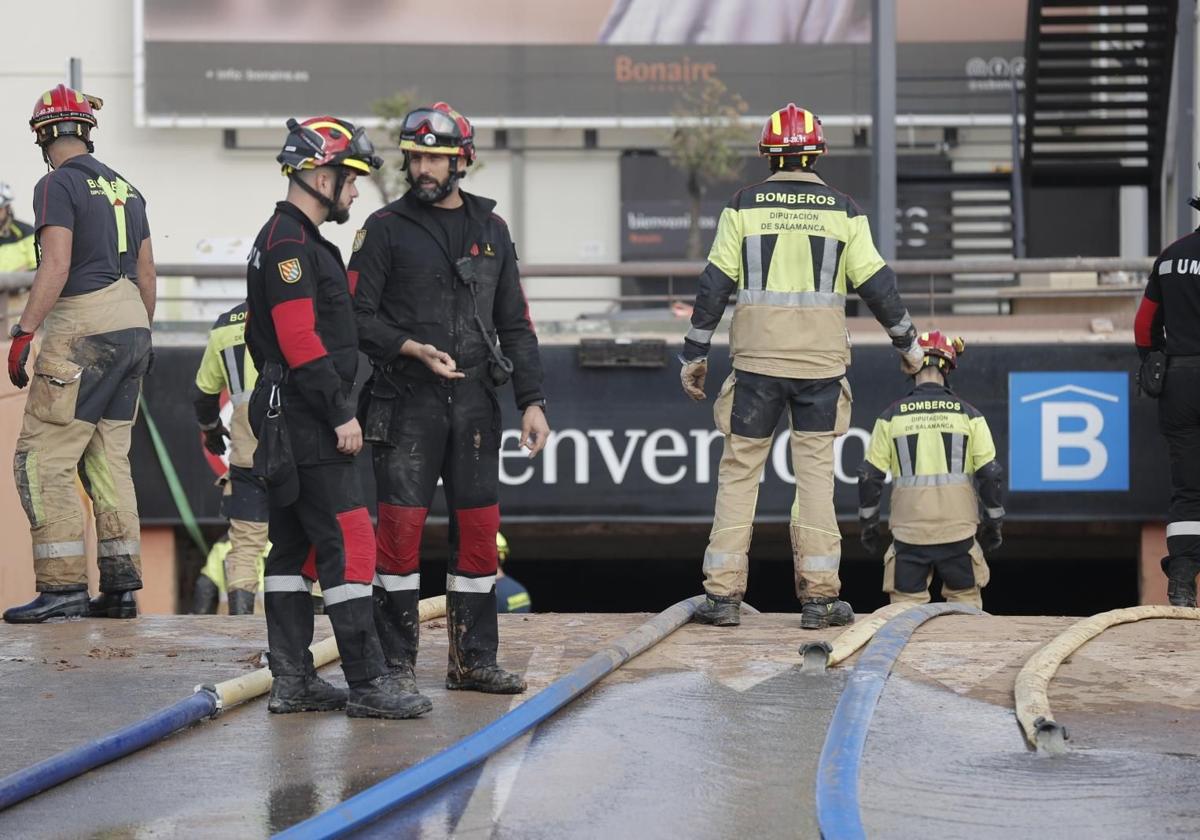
point(115, 548)
point(820, 563)
point(994, 513)
point(940, 480)
point(478, 586)
point(231, 371)
point(117, 194)
point(399, 583)
point(904, 455)
point(828, 265)
point(286, 583)
point(1182, 529)
point(773, 298)
point(700, 336)
point(868, 513)
point(44, 551)
point(754, 269)
point(901, 329)
point(1165, 267)
point(346, 592)
point(714, 560)
point(956, 453)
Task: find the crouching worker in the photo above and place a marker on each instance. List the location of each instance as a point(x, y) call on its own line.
point(937, 446)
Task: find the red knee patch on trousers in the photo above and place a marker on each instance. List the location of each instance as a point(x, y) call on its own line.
point(399, 541)
point(309, 569)
point(358, 543)
point(477, 529)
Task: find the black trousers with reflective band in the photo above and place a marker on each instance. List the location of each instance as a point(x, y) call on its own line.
point(1179, 422)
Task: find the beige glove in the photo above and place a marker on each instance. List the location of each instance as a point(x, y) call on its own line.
point(692, 375)
point(912, 358)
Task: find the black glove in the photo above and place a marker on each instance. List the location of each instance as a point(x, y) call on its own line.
point(869, 535)
point(989, 536)
point(214, 438)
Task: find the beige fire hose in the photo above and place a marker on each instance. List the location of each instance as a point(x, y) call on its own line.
point(1033, 682)
point(817, 656)
point(249, 686)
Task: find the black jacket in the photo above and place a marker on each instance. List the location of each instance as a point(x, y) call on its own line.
point(300, 316)
point(1168, 318)
point(407, 287)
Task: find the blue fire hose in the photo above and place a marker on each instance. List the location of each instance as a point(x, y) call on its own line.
point(407, 785)
point(59, 768)
point(838, 812)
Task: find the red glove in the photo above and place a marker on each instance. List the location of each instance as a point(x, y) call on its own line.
point(18, 355)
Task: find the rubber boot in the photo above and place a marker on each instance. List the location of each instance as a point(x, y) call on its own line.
point(1181, 581)
point(205, 597)
point(397, 621)
point(819, 613)
point(48, 605)
point(113, 605)
point(718, 610)
point(241, 602)
point(385, 697)
point(489, 679)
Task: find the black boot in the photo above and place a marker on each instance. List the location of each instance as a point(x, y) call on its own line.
point(489, 679)
point(306, 693)
point(819, 613)
point(241, 602)
point(397, 621)
point(723, 612)
point(1181, 581)
point(205, 597)
point(47, 605)
point(385, 697)
point(113, 605)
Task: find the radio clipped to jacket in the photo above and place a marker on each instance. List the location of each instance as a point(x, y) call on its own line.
point(500, 367)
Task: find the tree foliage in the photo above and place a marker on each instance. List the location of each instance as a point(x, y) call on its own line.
point(389, 180)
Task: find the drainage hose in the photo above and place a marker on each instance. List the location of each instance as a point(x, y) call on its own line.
point(376, 801)
point(206, 702)
point(1033, 681)
point(837, 772)
point(817, 656)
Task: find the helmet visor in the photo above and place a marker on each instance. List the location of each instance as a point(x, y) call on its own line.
point(429, 121)
point(362, 148)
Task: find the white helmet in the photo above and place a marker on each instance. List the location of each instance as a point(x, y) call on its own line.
point(6, 195)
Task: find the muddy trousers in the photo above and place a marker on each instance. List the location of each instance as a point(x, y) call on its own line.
point(1179, 422)
point(451, 431)
point(326, 533)
point(244, 504)
point(83, 398)
point(746, 412)
point(908, 572)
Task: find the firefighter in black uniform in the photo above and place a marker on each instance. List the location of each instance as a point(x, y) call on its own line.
point(442, 315)
point(300, 332)
point(1167, 332)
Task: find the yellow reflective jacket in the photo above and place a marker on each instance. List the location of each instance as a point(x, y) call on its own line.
point(227, 366)
point(18, 248)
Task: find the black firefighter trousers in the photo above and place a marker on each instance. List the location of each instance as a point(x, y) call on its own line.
point(448, 429)
point(1179, 422)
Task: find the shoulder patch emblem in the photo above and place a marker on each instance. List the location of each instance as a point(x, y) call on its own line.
point(290, 270)
point(359, 238)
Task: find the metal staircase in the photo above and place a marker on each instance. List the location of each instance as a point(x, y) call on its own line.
point(1097, 93)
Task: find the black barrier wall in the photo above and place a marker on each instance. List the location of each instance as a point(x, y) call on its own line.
point(628, 444)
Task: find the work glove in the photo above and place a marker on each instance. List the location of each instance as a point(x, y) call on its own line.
point(18, 356)
point(911, 358)
point(692, 375)
point(869, 535)
point(214, 438)
point(989, 536)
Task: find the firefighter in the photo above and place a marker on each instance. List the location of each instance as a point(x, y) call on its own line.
point(1167, 333)
point(936, 446)
point(301, 336)
point(443, 318)
point(211, 582)
point(92, 301)
point(790, 247)
point(226, 366)
point(17, 249)
point(511, 594)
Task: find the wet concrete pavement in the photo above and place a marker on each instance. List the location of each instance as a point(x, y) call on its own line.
point(714, 733)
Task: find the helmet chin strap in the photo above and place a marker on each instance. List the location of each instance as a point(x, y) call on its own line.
point(332, 212)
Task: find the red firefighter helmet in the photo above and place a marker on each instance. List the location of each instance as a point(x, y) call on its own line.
point(792, 131)
point(60, 112)
point(941, 350)
point(327, 141)
point(438, 129)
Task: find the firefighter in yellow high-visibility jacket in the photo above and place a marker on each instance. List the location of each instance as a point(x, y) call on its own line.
point(939, 450)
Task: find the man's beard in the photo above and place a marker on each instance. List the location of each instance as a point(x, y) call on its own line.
point(430, 193)
point(339, 214)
